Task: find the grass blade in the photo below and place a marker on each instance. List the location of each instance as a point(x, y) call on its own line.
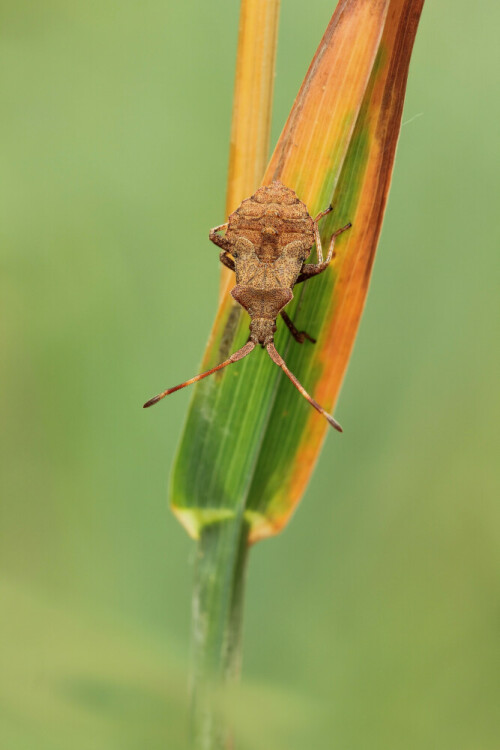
point(232, 416)
point(222, 548)
point(250, 442)
point(253, 95)
point(336, 301)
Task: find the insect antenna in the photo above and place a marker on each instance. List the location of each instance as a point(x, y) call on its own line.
point(239, 354)
point(271, 350)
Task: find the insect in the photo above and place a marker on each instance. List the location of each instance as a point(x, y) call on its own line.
point(266, 242)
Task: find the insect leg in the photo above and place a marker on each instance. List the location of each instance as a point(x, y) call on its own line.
point(281, 363)
point(226, 260)
point(235, 357)
point(219, 228)
point(219, 239)
point(309, 270)
point(299, 336)
point(334, 237)
point(323, 213)
point(317, 238)
point(312, 269)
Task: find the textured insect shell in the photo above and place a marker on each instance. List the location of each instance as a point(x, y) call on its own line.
point(273, 206)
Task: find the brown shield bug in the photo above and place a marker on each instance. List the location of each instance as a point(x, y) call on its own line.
point(266, 243)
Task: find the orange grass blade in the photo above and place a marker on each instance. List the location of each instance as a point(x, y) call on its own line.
point(312, 147)
point(250, 441)
point(361, 196)
point(252, 105)
point(251, 117)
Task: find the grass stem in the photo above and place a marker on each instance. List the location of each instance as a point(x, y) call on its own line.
point(217, 628)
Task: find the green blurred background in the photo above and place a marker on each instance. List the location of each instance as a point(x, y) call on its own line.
point(373, 620)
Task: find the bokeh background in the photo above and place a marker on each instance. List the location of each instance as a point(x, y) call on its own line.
point(373, 620)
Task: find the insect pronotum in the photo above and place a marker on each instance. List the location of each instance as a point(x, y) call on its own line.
point(266, 242)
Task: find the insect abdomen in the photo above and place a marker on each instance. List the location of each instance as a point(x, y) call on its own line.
point(262, 303)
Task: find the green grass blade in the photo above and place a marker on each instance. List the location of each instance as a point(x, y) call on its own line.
point(231, 413)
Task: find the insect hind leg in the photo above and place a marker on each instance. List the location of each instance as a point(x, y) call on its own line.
point(299, 336)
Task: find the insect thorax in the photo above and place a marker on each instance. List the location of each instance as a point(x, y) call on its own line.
point(270, 219)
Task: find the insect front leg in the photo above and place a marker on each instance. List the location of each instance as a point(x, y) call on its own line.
point(317, 238)
point(313, 269)
point(226, 260)
point(219, 239)
point(299, 336)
